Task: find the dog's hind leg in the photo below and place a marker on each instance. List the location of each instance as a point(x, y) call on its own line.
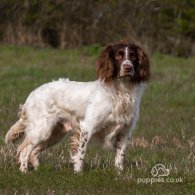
point(24, 152)
point(60, 130)
point(34, 156)
point(36, 133)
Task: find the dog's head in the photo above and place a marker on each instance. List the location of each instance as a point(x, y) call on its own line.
point(122, 60)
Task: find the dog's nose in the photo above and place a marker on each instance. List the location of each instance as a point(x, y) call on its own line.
point(128, 68)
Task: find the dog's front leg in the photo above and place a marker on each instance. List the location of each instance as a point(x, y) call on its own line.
point(120, 146)
point(88, 126)
point(78, 158)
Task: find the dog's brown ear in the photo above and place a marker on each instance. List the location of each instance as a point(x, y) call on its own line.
point(144, 65)
point(105, 67)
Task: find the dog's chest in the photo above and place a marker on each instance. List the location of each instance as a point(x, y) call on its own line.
point(122, 108)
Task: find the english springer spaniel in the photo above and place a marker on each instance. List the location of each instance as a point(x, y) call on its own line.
point(106, 109)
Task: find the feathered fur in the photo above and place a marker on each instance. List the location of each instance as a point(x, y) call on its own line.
point(106, 109)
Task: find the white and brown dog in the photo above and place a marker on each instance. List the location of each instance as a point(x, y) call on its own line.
point(106, 109)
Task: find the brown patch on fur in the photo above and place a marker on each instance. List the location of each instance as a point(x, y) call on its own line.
point(105, 66)
point(74, 141)
point(143, 73)
point(73, 122)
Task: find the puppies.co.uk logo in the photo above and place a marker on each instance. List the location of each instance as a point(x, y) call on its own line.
point(160, 175)
point(160, 170)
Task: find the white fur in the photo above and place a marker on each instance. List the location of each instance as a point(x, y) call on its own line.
point(100, 109)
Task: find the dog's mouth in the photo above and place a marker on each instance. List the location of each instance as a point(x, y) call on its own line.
point(126, 74)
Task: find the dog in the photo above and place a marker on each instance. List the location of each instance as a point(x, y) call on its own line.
point(106, 109)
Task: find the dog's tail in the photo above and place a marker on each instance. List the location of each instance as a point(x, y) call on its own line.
point(17, 131)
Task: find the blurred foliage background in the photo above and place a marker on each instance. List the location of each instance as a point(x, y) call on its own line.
point(166, 26)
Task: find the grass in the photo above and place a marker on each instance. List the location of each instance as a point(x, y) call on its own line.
point(164, 133)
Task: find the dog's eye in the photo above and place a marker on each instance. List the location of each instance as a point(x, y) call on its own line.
point(119, 55)
point(132, 56)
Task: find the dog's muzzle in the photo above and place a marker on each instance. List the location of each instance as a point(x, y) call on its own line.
point(127, 68)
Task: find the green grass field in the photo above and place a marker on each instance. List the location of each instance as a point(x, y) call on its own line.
point(165, 132)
